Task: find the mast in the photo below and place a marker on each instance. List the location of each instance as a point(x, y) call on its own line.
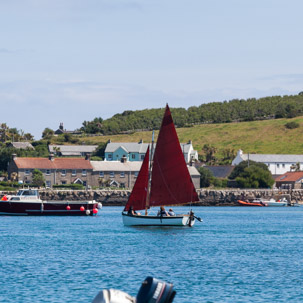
point(149, 174)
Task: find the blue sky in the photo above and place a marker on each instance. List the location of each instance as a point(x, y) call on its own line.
point(73, 60)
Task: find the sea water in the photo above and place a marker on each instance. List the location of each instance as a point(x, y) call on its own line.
point(238, 254)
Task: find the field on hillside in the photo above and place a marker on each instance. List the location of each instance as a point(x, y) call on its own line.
point(268, 137)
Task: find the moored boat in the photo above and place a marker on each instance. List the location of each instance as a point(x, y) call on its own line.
point(162, 181)
point(253, 203)
point(27, 202)
point(263, 202)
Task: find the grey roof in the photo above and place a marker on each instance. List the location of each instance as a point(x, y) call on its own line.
point(72, 149)
point(116, 165)
point(131, 147)
point(128, 166)
point(273, 158)
point(222, 171)
point(22, 145)
point(135, 147)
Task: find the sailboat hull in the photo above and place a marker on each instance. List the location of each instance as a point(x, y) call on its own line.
point(141, 220)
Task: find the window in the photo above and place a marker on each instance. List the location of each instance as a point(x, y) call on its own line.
point(27, 171)
point(101, 174)
point(136, 174)
point(278, 165)
point(47, 172)
point(63, 172)
point(133, 156)
point(283, 165)
point(84, 172)
point(142, 157)
point(122, 185)
point(84, 183)
point(74, 172)
point(110, 156)
point(48, 183)
point(63, 182)
point(122, 174)
point(111, 174)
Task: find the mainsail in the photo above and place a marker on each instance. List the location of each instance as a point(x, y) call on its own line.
point(171, 183)
point(137, 198)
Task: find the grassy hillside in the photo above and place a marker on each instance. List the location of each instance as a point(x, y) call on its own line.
point(269, 136)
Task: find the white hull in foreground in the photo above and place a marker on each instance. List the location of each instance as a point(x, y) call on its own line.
point(142, 220)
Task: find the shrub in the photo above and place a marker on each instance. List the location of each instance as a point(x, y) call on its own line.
point(292, 125)
point(69, 186)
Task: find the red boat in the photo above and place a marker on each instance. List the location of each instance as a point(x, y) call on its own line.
point(253, 203)
point(28, 202)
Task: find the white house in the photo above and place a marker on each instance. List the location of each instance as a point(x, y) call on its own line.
point(277, 164)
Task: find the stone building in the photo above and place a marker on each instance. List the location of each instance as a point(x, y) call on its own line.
point(55, 170)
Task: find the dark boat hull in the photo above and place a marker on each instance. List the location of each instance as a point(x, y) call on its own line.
point(56, 208)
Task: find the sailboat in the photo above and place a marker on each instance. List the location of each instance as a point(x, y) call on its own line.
point(163, 180)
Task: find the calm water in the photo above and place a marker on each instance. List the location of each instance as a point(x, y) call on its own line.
point(235, 255)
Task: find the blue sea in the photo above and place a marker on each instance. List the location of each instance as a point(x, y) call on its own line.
point(237, 254)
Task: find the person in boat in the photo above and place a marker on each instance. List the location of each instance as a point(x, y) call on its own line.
point(132, 212)
point(162, 212)
point(171, 212)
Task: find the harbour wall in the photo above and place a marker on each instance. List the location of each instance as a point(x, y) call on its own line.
point(207, 197)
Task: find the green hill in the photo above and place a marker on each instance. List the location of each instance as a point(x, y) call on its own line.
point(267, 136)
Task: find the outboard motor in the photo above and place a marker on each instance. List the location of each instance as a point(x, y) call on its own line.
point(152, 290)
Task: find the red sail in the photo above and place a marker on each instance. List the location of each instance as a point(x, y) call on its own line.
point(137, 198)
point(171, 182)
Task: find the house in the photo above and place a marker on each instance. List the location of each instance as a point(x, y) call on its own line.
point(21, 145)
point(135, 151)
point(72, 150)
point(293, 180)
point(55, 170)
point(220, 171)
point(61, 131)
point(124, 173)
point(277, 164)
point(115, 173)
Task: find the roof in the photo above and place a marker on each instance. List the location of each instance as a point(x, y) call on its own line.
point(68, 149)
point(135, 147)
point(131, 147)
point(22, 145)
point(56, 163)
point(290, 176)
point(270, 158)
point(222, 171)
point(128, 166)
point(116, 165)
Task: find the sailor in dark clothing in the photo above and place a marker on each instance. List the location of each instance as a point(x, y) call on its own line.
point(131, 211)
point(162, 212)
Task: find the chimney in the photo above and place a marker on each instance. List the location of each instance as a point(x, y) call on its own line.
point(51, 157)
point(61, 126)
point(87, 156)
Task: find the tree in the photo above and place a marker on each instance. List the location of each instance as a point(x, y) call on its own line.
point(47, 133)
point(209, 152)
point(38, 178)
point(206, 177)
point(252, 175)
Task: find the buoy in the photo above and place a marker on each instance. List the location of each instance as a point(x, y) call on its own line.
point(87, 212)
point(4, 198)
point(99, 205)
point(95, 211)
point(67, 207)
point(82, 208)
